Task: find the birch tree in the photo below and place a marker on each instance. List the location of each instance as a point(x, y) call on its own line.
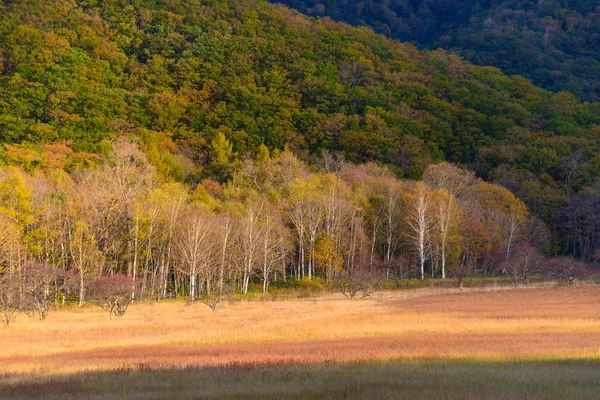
point(420, 223)
point(273, 247)
point(194, 243)
point(251, 233)
point(446, 214)
point(84, 254)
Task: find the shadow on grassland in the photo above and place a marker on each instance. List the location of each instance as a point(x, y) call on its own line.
point(448, 379)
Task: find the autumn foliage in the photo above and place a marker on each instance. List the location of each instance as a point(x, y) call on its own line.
point(114, 233)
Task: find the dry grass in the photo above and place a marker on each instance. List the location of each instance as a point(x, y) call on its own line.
point(557, 323)
point(457, 379)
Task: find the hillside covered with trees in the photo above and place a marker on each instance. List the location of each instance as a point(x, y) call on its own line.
point(554, 43)
point(181, 77)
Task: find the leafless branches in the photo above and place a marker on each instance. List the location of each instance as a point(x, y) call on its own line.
point(567, 270)
point(113, 293)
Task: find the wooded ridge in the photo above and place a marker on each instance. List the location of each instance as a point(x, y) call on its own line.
point(555, 43)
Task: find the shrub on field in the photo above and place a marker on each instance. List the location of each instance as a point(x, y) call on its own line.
point(210, 299)
point(31, 291)
point(40, 284)
point(351, 285)
point(566, 270)
point(213, 297)
point(361, 279)
point(461, 273)
point(114, 293)
point(524, 262)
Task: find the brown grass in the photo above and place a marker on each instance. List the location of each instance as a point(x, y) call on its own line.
point(523, 324)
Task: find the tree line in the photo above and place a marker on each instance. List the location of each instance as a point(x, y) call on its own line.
point(119, 231)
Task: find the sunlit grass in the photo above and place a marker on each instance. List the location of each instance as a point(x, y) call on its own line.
point(533, 326)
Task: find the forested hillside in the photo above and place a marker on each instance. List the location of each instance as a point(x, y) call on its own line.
point(555, 43)
point(176, 75)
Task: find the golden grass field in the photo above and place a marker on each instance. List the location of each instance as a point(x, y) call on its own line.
point(500, 343)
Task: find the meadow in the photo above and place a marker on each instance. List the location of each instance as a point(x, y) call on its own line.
point(423, 343)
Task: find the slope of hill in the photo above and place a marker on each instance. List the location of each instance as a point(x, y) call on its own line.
point(554, 43)
point(178, 72)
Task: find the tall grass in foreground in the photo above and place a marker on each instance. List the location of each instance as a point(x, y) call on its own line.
point(455, 379)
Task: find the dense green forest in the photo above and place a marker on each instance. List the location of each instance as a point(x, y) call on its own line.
point(554, 43)
point(178, 74)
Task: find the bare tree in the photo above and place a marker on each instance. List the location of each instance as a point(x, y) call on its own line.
point(297, 215)
point(130, 171)
point(574, 164)
point(420, 223)
point(314, 217)
point(461, 273)
point(84, 255)
point(504, 214)
point(523, 263)
point(273, 249)
point(566, 270)
point(387, 218)
point(113, 293)
point(131, 176)
point(212, 297)
point(194, 243)
point(330, 163)
point(514, 228)
point(39, 287)
point(446, 215)
point(538, 234)
point(225, 227)
point(362, 280)
point(252, 232)
point(353, 73)
point(449, 177)
point(93, 201)
point(338, 209)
